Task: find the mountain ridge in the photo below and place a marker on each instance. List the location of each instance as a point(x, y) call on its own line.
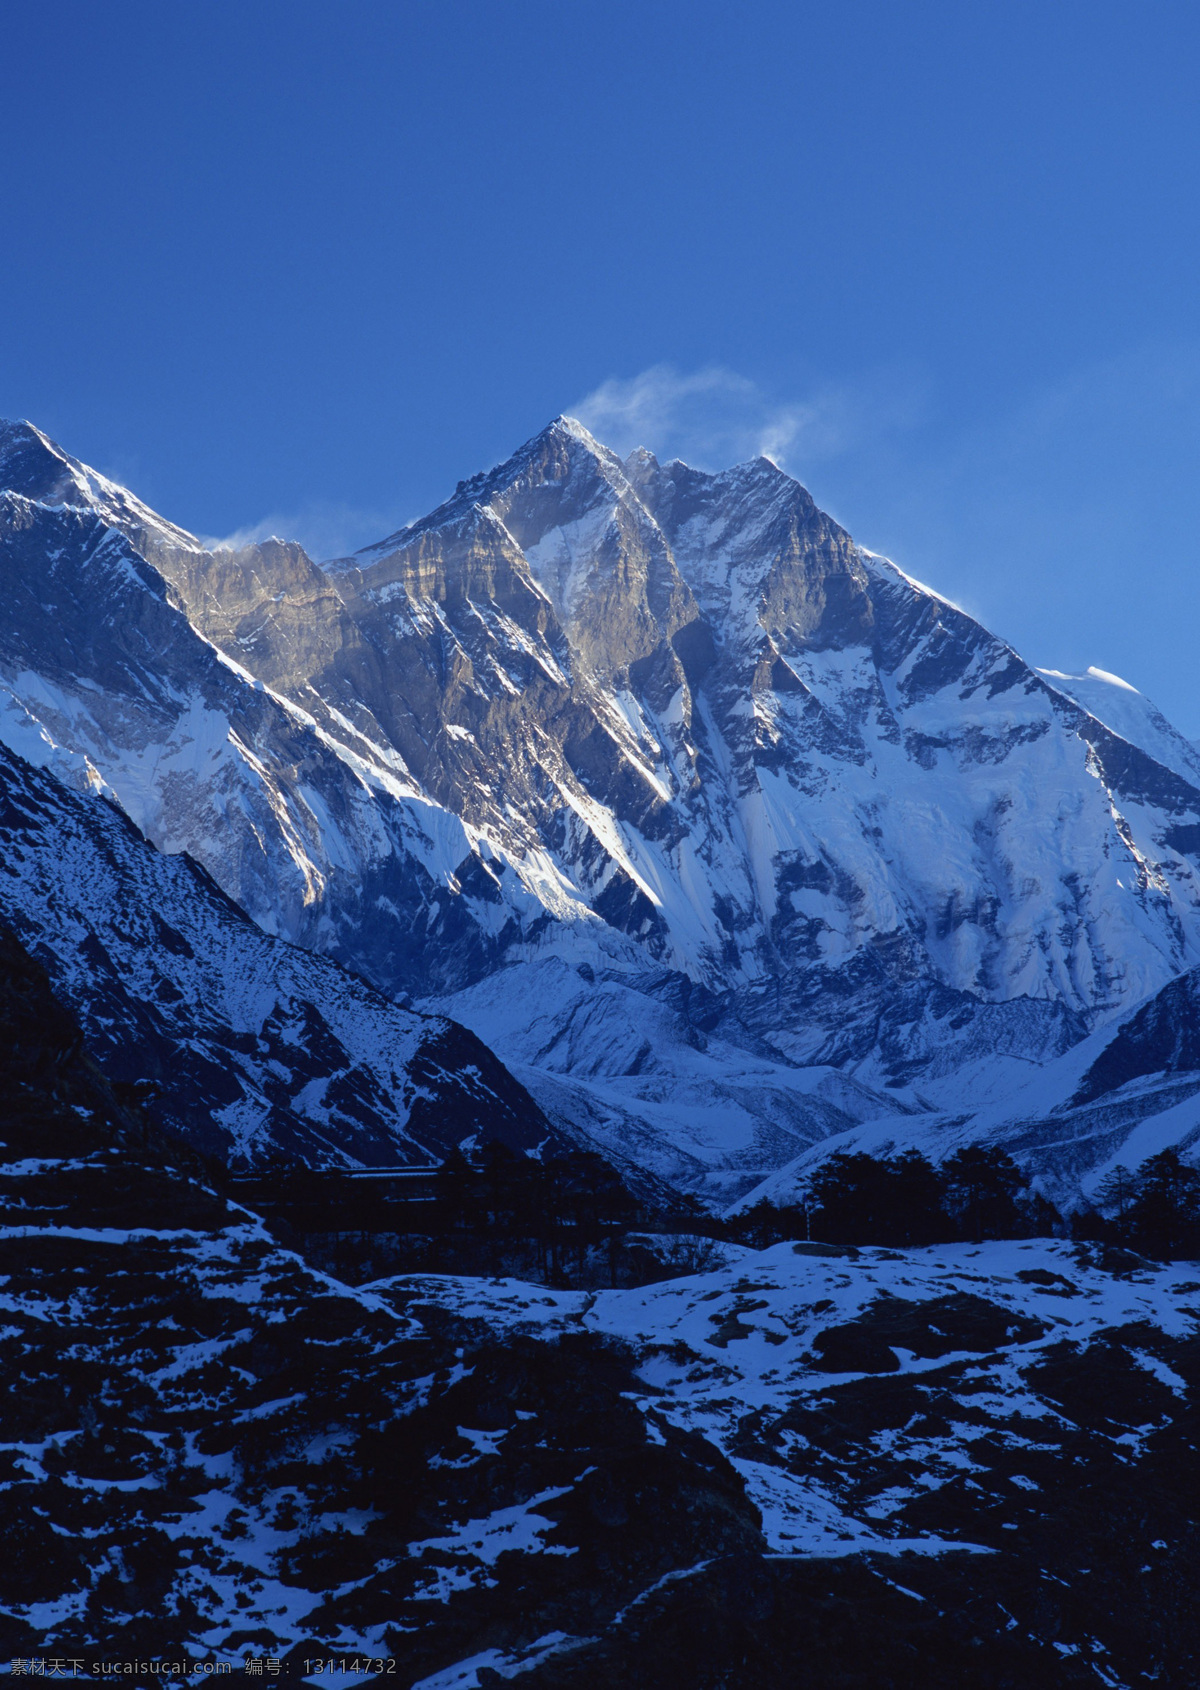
point(252, 1051)
point(673, 729)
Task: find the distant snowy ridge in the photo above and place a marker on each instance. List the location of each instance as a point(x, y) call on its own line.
point(1129, 713)
point(1123, 1094)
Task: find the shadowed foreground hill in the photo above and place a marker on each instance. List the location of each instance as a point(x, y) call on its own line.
point(255, 1052)
point(211, 1449)
point(879, 1469)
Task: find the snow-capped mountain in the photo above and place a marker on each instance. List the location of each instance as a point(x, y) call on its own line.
point(255, 1051)
point(720, 829)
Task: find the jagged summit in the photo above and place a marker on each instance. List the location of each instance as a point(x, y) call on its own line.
point(563, 450)
point(639, 456)
point(34, 467)
point(686, 547)
point(565, 425)
point(564, 467)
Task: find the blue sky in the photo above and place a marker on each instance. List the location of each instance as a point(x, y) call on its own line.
point(308, 264)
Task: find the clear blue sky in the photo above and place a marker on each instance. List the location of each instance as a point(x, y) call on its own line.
point(309, 264)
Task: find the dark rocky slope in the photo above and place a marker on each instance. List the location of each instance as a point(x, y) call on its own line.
point(247, 1047)
point(210, 1449)
point(213, 1451)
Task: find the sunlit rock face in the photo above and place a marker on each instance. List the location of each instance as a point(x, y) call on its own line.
point(635, 728)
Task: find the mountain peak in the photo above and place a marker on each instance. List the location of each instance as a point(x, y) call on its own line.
point(572, 428)
point(32, 465)
point(561, 453)
point(37, 468)
point(651, 722)
point(567, 436)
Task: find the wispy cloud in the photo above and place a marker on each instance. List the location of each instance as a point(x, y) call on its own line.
point(715, 417)
point(325, 530)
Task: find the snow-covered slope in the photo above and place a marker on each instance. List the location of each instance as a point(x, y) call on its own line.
point(626, 1069)
point(987, 1425)
point(1123, 1094)
point(1130, 714)
point(257, 1052)
point(669, 734)
point(772, 1336)
point(926, 1469)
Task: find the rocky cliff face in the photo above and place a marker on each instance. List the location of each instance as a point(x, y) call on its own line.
point(670, 735)
point(758, 751)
